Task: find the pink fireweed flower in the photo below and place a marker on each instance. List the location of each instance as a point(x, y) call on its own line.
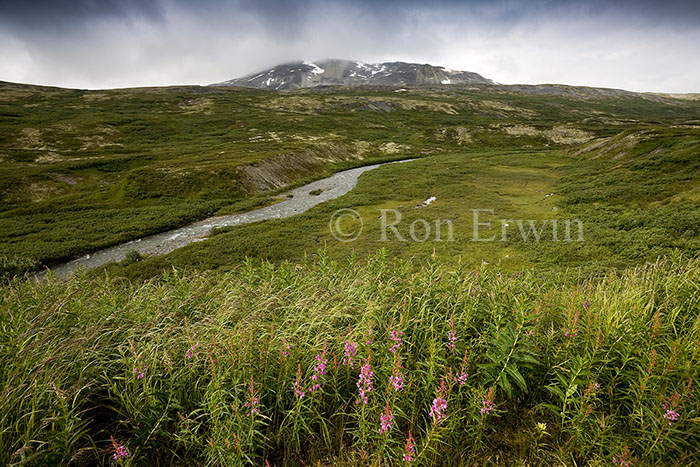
point(586, 304)
point(439, 407)
point(386, 420)
point(452, 335)
point(410, 449)
point(252, 399)
point(350, 352)
point(671, 415)
point(488, 407)
point(437, 411)
point(140, 372)
point(285, 348)
point(192, 353)
point(488, 404)
point(591, 389)
point(396, 381)
point(364, 383)
point(253, 405)
point(120, 451)
point(298, 391)
point(319, 370)
point(623, 459)
point(461, 377)
point(452, 340)
point(396, 336)
point(671, 408)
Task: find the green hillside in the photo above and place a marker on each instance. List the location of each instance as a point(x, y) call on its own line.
point(82, 170)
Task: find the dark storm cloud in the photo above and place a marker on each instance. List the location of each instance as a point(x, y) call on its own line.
point(71, 13)
point(686, 12)
point(639, 45)
point(59, 14)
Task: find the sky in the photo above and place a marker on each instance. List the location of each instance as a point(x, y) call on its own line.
point(635, 45)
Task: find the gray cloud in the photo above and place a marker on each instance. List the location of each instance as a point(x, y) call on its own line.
point(52, 15)
point(640, 45)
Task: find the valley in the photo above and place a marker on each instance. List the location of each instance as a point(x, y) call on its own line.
point(120, 165)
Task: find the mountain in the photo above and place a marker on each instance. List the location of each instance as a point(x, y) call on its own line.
point(350, 73)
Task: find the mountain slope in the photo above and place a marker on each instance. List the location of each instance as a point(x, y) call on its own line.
point(348, 73)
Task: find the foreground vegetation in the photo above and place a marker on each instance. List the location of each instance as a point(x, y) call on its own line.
point(378, 362)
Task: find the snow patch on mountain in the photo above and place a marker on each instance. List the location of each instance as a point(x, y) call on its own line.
point(315, 69)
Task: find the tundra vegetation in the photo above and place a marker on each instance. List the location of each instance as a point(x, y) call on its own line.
point(273, 342)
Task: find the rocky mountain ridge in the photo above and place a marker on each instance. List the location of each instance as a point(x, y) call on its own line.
point(297, 75)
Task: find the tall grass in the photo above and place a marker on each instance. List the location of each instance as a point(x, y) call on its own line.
point(479, 367)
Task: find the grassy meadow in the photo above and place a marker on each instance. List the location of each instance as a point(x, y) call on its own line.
point(381, 362)
point(275, 344)
point(633, 209)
